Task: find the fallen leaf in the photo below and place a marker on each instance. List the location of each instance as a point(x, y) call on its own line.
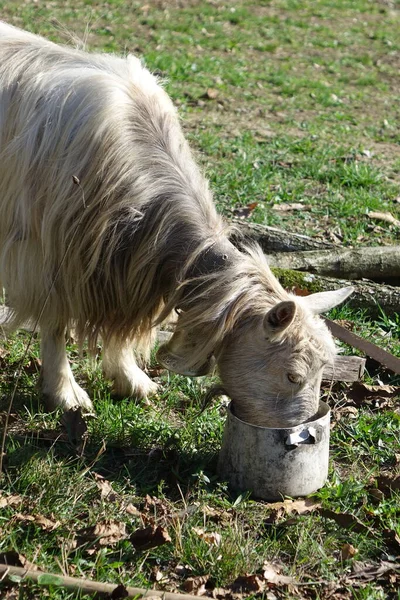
point(345, 520)
point(388, 483)
point(13, 500)
point(248, 583)
point(46, 524)
point(43, 522)
point(371, 572)
point(376, 494)
point(210, 538)
point(11, 557)
point(27, 564)
point(289, 206)
point(132, 510)
point(149, 537)
point(157, 575)
point(33, 366)
point(75, 425)
point(391, 539)
point(105, 487)
point(119, 592)
point(216, 515)
point(300, 507)
point(242, 212)
point(347, 551)
point(384, 216)
point(271, 575)
point(194, 585)
point(210, 94)
point(361, 393)
point(109, 532)
point(104, 533)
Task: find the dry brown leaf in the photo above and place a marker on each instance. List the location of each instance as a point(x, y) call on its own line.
point(289, 206)
point(75, 425)
point(378, 395)
point(216, 515)
point(11, 557)
point(104, 533)
point(132, 510)
point(271, 575)
point(371, 572)
point(345, 520)
point(242, 212)
point(43, 522)
point(27, 564)
point(156, 507)
point(211, 538)
point(384, 216)
point(119, 592)
point(347, 551)
point(33, 366)
point(388, 483)
point(46, 524)
point(300, 507)
point(211, 93)
point(109, 532)
point(196, 585)
point(392, 540)
point(248, 583)
point(105, 487)
point(376, 495)
point(149, 537)
point(13, 500)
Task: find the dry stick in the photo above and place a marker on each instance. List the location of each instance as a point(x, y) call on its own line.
point(378, 264)
point(272, 239)
point(35, 325)
point(374, 297)
point(85, 585)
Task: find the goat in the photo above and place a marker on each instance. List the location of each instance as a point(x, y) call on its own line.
point(107, 225)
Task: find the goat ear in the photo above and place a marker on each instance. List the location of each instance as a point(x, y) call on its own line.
point(177, 356)
point(324, 301)
point(279, 317)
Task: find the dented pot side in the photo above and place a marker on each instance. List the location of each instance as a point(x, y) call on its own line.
point(276, 462)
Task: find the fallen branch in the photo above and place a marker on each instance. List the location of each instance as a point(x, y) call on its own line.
point(367, 294)
point(272, 239)
point(378, 264)
point(86, 585)
point(344, 368)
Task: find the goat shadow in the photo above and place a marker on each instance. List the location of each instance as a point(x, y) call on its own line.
point(146, 466)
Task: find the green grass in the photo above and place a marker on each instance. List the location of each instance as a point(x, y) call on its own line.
point(306, 111)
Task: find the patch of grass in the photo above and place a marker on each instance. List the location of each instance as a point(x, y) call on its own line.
point(305, 110)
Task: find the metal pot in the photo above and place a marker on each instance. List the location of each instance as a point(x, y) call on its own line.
point(272, 463)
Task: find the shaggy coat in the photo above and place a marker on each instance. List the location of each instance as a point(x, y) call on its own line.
point(107, 225)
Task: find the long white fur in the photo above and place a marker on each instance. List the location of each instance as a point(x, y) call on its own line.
point(104, 218)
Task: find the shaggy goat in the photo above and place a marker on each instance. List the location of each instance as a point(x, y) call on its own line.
point(107, 225)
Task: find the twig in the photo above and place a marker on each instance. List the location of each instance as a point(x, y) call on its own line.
point(86, 586)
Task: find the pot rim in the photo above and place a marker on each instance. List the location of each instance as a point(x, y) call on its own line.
point(324, 411)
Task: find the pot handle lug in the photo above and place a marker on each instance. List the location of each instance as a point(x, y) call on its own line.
point(307, 436)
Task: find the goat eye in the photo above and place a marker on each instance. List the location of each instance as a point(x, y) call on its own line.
point(293, 378)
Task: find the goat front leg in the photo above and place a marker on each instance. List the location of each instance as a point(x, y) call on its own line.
point(119, 365)
point(59, 387)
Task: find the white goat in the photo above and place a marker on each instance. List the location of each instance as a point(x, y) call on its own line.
point(107, 225)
